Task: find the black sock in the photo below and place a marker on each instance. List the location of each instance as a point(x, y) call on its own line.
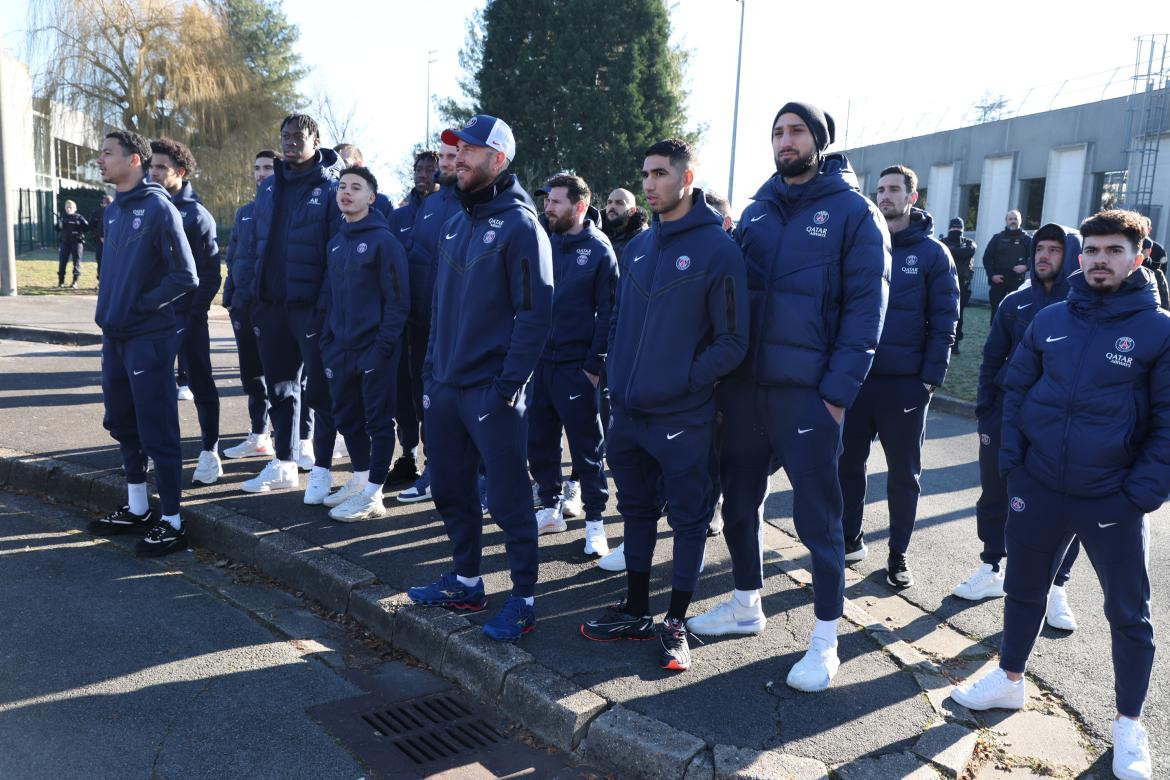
point(637, 592)
point(679, 601)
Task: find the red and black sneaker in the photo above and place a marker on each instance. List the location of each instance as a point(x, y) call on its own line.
point(615, 623)
point(673, 651)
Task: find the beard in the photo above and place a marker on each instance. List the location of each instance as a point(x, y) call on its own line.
point(560, 225)
point(799, 166)
point(618, 222)
point(477, 178)
point(447, 181)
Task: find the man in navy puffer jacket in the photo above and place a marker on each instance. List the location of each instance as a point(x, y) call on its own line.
point(492, 304)
point(679, 326)
point(910, 362)
point(1086, 450)
point(296, 215)
point(818, 269)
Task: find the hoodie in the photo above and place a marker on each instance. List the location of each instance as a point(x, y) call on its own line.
point(146, 266)
point(1012, 318)
point(492, 300)
point(296, 215)
point(923, 308)
point(818, 272)
point(237, 289)
point(679, 322)
point(199, 227)
point(1086, 406)
point(584, 284)
point(422, 248)
point(365, 297)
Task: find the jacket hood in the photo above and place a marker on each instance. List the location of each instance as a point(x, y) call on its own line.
point(503, 194)
point(835, 175)
point(921, 226)
point(143, 190)
point(328, 166)
point(631, 227)
point(373, 221)
point(700, 214)
point(186, 194)
point(1070, 263)
point(1137, 292)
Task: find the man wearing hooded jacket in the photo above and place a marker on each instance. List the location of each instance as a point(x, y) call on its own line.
point(818, 263)
point(962, 251)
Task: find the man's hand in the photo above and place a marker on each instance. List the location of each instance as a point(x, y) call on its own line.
point(593, 378)
point(1019, 268)
point(837, 412)
point(997, 279)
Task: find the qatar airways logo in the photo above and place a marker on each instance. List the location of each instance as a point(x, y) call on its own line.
point(816, 230)
point(911, 266)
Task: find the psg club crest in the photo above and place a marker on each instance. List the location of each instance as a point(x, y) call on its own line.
point(489, 236)
point(912, 260)
point(137, 223)
point(985, 439)
point(426, 402)
point(683, 263)
point(316, 192)
point(1124, 344)
point(821, 217)
point(582, 259)
point(362, 247)
point(329, 373)
point(1017, 504)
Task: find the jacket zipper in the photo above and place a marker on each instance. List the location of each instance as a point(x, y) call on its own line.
point(645, 319)
point(1068, 405)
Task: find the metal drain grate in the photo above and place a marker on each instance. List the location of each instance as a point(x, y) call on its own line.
point(432, 728)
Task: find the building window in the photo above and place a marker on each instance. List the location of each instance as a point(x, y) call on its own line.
point(969, 205)
point(74, 162)
point(1032, 202)
point(42, 153)
point(1109, 189)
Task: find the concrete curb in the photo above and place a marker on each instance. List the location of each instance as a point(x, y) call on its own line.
point(951, 405)
point(68, 338)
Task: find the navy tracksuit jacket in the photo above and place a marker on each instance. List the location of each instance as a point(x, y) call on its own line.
point(1008, 326)
point(236, 298)
point(365, 299)
point(584, 284)
point(195, 347)
point(1086, 449)
point(913, 352)
point(148, 267)
point(818, 270)
point(296, 215)
point(679, 326)
point(408, 417)
point(491, 310)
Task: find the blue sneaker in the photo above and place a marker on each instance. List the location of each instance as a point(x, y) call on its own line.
point(419, 491)
point(481, 484)
point(449, 592)
point(515, 620)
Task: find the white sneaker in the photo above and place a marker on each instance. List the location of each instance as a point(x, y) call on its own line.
point(815, 671)
point(320, 483)
point(185, 393)
point(208, 469)
point(550, 520)
point(991, 691)
point(305, 456)
point(359, 506)
point(277, 475)
point(339, 449)
point(1059, 613)
point(715, 527)
point(616, 560)
point(571, 499)
point(355, 485)
point(983, 584)
point(255, 446)
point(1131, 750)
point(729, 617)
point(595, 541)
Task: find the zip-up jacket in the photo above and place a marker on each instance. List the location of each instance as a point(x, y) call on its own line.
point(923, 308)
point(237, 288)
point(818, 270)
point(962, 252)
point(679, 322)
point(1086, 406)
point(1005, 250)
point(1012, 319)
point(296, 215)
point(422, 248)
point(71, 228)
point(492, 302)
point(584, 284)
point(199, 226)
point(365, 298)
point(401, 219)
point(146, 265)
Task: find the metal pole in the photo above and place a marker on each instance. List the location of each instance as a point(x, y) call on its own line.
point(7, 244)
point(735, 114)
point(430, 60)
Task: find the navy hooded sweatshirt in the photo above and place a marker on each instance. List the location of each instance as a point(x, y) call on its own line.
point(147, 264)
point(199, 226)
point(422, 248)
point(237, 288)
point(296, 215)
point(584, 284)
point(818, 270)
point(493, 292)
point(679, 322)
point(365, 298)
point(923, 308)
point(1086, 406)
point(1013, 317)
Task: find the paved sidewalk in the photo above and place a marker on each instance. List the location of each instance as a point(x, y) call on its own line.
point(885, 715)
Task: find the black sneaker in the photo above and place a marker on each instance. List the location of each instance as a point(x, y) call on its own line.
point(404, 472)
point(162, 538)
point(122, 521)
point(898, 573)
point(673, 651)
point(855, 549)
point(615, 623)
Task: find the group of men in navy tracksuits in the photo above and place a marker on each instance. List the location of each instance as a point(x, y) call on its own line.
point(822, 323)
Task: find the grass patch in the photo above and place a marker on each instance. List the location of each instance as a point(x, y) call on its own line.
point(36, 274)
point(963, 374)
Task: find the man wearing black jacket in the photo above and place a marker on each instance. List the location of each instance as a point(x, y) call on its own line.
point(96, 222)
point(623, 220)
point(71, 228)
point(1006, 259)
point(963, 253)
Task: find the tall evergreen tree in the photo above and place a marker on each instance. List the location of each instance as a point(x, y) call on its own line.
point(584, 87)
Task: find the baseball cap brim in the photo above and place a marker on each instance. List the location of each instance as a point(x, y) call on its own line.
point(453, 137)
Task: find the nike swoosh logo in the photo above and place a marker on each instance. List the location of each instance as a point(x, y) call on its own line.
point(1058, 338)
point(1106, 525)
point(112, 221)
point(180, 330)
point(451, 236)
point(143, 371)
point(310, 335)
point(334, 249)
point(639, 257)
point(907, 411)
point(427, 216)
point(403, 230)
point(803, 430)
point(368, 370)
point(1023, 305)
point(757, 219)
point(245, 219)
point(575, 397)
point(483, 417)
point(670, 436)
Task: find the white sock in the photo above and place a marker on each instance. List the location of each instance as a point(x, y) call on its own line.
point(826, 629)
point(530, 600)
point(370, 489)
point(470, 582)
point(746, 598)
point(318, 470)
point(173, 520)
point(362, 476)
point(136, 498)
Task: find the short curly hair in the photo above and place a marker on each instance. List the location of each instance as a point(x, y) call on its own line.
point(178, 152)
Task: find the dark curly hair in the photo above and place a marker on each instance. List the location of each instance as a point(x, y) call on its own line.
point(178, 152)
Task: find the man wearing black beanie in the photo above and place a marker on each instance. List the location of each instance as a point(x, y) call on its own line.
point(818, 265)
point(963, 252)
